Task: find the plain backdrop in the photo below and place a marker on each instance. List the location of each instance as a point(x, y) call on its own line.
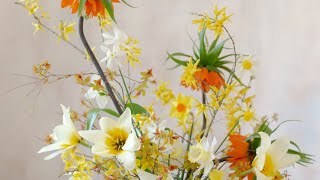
point(284, 35)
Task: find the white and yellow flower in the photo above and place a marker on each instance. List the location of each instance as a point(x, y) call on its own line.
point(116, 139)
point(203, 154)
point(65, 136)
point(272, 157)
point(102, 100)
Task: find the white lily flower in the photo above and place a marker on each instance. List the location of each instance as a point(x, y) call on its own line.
point(116, 139)
point(112, 56)
point(272, 157)
point(102, 101)
point(203, 154)
point(116, 39)
point(143, 175)
point(66, 136)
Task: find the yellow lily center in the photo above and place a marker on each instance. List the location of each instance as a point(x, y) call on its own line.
point(181, 107)
point(116, 140)
point(246, 64)
point(268, 168)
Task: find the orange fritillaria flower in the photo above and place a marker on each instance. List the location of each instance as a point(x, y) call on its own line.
point(92, 7)
point(206, 79)
point(238, 154)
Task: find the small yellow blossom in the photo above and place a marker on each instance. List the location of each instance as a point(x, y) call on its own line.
point(220, 18)
point(188, 77)
point(37, 27)
point(65, 30)
point(181, 107)
point(132, 51)
point(204, 23)
point(163, 93)
point(216, 175)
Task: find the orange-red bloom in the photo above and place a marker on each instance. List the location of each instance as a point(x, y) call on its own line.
point(206, 79)
point(92, 7)
point(238, 154)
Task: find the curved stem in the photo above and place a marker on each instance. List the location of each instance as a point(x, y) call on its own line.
point(204, 125)
point(97, 65)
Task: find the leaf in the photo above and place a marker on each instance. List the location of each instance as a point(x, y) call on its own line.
point(283, 123)
point(213, 68)
point(213, 44)
point(93, 113)
point(220, 58)
point(221, 63)
point(81, 5)
point(213, 55)
point(137, 109)
point(232, 74)
point(109, 6)
point(178, 61)
point(92, 116)
point(203, 51)
point(126, 3)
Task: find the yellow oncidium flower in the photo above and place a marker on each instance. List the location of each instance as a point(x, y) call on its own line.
point(188, 77)
point(66, 136)
point(181, 106)
point(163, 93)
point(272, 157)
point(204, 23)
point(37, 27)
point(217, 175)
point(220, 19)
point(116, 139)
point(247, 64)
point(132, 51)
point(65, 30)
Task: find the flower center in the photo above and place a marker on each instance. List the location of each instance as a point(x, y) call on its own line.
point(116, 140)
point(181, 107)
point(246, 64)
point(268, 168)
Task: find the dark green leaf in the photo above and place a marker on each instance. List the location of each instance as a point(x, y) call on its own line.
point(178, 61)
point(137, 109)
point(232, 74)
point(111, 112)
point(203, 51)
point(125, 2)
point(213, 55)
point(213, 44)
point(81, 5)
point(109, 6)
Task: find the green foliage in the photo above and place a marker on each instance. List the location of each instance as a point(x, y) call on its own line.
point(137, 109)
point(81, 5)
point(93, 113)
point(109, 7)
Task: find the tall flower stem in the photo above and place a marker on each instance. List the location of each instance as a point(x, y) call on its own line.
point(98, 67)
point(204, 124)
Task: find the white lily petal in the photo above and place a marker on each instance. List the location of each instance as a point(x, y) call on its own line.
point(208, 168)
point(205, 143)
point(125, 120)
point(65, 134)
point(132, 144)
point(53, 155)
point(279, 148)
point(287, 160)
point(128, 159)
point(66, 117)
point(94, 136)
point(91, 94)
point(265, 143)
point(261, 176)
point(50, 147)
point(213, 144)
point(102, 101)
point(259, 161)
point(101, 150)
point(143, 175)
point(107, 124)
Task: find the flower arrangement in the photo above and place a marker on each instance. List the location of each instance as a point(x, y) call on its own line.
point(130, 141)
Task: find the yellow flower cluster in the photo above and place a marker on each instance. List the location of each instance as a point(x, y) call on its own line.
point(216, 24)
point(163, 93)
point(132, 51)
point(66, 29)
point(188, 77)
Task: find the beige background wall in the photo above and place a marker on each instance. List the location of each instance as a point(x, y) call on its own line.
point(284, 35)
